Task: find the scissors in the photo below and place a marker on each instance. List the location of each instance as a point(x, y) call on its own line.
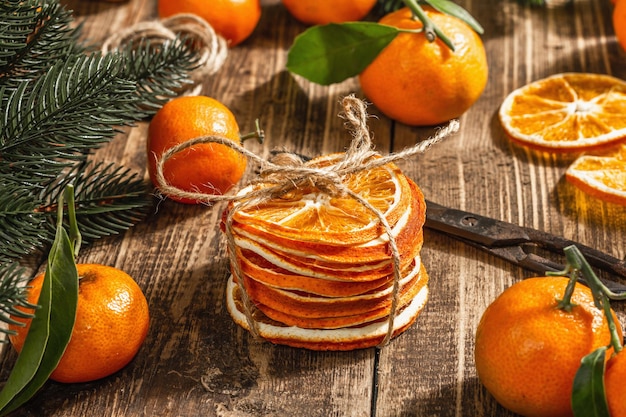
point(516, 244)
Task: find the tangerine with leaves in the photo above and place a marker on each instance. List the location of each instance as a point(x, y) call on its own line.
point(234, 20)
point(321, 12)
point(421, 83)
point(204, 168)
point(528, 346)
point(614, 387)
point(112, 321)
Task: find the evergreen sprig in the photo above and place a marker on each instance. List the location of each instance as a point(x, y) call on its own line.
point(61, 99)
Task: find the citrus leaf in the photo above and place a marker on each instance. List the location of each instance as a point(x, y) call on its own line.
point(327, 54)
point(52, 325)
point(588, 396)
point(453, 9)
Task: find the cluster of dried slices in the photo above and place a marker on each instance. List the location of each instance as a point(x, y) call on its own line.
point(317, 266)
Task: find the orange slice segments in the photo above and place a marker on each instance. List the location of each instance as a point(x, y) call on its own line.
point(309, 215)
point(601, 175)
point(571, 112)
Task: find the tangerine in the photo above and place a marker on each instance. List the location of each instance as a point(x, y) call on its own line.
point(205, 168)
point(112, 321)
point(614, 387)
point(234, 20)
point(423, 83)
point(528, 349)
point(321, 12)
point(619, 22)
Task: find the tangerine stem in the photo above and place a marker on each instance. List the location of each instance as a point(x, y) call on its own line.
point(566, 302)
point(599, 291)
point(258, 133)
point(431, 30)
point(74, 233)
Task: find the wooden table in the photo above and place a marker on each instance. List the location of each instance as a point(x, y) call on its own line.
point(197, 362)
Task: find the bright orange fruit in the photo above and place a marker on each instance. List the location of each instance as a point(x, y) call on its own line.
point(235, 20)
point(570, 112)
point(418, 82)
point(528, 350)
point(619, 22)
point(614, 386)
point(601, 174)
point(112, 322)
point(321, 12)
point(206, 168)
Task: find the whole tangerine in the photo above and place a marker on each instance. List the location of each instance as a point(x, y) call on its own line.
point(528, 349)
point(112, 321)
point(208, 168)
point(234, 20)
point(422, 83)
point(321, 12)
point(614, 387)
point(619, 22)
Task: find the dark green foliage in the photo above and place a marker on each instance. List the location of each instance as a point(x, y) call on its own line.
point(60, 100)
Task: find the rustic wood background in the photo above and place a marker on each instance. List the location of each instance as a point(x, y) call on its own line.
point(196, 362)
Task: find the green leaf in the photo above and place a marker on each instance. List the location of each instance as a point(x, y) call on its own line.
point(52, 326)
point(331, 53)
point(453, 9)
point(588, 396)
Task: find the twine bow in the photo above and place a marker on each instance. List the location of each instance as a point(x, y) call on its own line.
point(286, 172)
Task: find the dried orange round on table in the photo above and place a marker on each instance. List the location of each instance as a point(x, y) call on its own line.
point(601, 174)
point(528, 350)
point(321, 12)
point(572, 112)
point(234, 20)
point(317, 264)
point(208, 168)
point(424, 83)
point(112, 321)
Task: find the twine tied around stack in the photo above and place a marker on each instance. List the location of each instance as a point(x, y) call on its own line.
point(197, 33)
point(286, 172)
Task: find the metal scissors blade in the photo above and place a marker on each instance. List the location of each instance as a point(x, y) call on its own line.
point(512, 242)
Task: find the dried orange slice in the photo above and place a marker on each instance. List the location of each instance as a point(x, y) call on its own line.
point(306, 214)
point(602, 175)
point(571, 112)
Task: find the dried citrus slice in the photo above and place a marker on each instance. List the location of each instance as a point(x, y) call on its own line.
point(602, 175)
point(341, 339)
point(307, 214)
point(570, 112)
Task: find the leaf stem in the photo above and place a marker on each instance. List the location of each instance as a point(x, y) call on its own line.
point(601, 293)
point(431, 30)
point(257, 134)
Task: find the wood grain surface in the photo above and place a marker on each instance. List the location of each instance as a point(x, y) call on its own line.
point(197, 362)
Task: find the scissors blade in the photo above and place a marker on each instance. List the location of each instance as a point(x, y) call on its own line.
point(505, 240)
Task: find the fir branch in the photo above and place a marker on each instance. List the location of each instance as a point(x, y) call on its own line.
point(21, 230)
point(59, 102)
point(13, 294)
point(35, 32)
point(108, 198)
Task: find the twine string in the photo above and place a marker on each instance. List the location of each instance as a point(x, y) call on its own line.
point(286, 172)
point(211, 48)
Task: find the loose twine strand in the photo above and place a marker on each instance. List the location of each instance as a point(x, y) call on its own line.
point(200, 35)
point(286, 172)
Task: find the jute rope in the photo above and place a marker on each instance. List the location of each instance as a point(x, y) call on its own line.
point(285, 173)
point(211, 48)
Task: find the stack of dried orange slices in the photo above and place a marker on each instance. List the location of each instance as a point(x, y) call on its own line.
point(576, 113)
point(317, 266)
